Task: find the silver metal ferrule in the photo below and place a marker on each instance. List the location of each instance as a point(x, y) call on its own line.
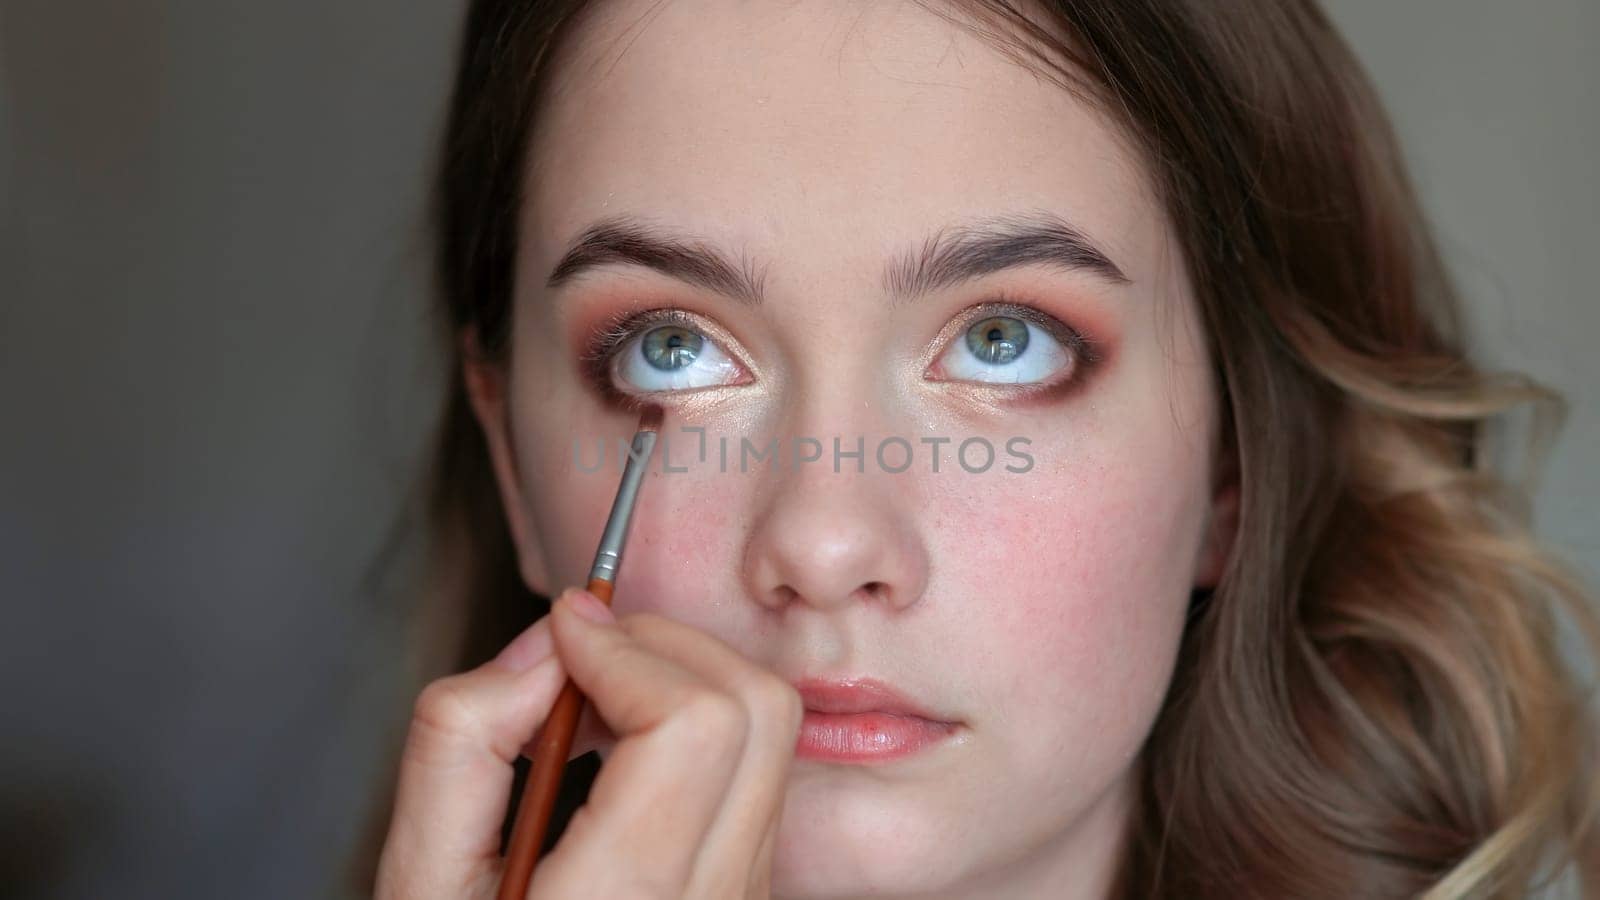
point(609, 556)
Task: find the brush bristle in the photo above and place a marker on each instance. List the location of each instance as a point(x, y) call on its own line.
point(650, 420)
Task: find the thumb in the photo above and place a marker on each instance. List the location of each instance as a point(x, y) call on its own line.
point(455, 775)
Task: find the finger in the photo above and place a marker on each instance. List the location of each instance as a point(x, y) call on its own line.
point(679, 743)
point(455, 771)
point(760, 884)
point(730, 858)
point(592, 734)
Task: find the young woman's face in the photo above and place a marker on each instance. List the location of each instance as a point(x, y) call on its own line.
point(924, 221)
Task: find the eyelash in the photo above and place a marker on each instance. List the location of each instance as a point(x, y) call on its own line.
point(617, 330)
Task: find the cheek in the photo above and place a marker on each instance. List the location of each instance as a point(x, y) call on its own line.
point(683, 542)
point(676, 520)
point(681, 559)
point(1076, 577)
point(568, 508)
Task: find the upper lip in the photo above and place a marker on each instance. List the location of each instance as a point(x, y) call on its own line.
point(857, 695)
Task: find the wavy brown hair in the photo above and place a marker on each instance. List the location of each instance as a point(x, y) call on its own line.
point(1374, 701)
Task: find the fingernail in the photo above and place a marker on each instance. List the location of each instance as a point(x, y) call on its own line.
point(527, 649)
point(589, 606)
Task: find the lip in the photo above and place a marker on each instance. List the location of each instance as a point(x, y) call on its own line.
point(863, 720)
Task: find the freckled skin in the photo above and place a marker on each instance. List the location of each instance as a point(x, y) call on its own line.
point(1043, 609)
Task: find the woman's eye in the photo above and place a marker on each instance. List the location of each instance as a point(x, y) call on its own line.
point(1005, 349)
point(672, 357)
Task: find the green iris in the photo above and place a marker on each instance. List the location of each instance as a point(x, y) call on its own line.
point(669, 347)
point(998, 340)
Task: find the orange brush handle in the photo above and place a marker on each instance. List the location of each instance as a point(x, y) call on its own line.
point(544, 780)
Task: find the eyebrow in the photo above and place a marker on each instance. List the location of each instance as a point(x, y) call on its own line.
point(951, 255)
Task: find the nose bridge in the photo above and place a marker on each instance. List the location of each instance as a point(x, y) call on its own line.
point(828, 538)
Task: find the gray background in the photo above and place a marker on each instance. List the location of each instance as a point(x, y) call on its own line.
point(214, 390)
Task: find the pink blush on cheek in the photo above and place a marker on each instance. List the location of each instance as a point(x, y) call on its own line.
point(1083, 586)
point(679, 554)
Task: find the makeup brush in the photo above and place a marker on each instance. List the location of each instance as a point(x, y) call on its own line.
point(555, 738)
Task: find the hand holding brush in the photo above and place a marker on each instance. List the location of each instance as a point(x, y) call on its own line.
point(686, 804)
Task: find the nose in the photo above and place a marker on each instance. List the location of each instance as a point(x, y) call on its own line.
point(827, 539)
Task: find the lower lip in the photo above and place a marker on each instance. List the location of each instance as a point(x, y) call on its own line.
point(865, 737)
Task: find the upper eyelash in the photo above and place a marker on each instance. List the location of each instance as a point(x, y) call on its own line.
point(617, 329)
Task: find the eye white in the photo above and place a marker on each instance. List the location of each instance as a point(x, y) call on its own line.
point(671, 358)
point(1005, 350)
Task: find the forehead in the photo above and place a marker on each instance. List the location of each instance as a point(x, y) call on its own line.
point(822, 134)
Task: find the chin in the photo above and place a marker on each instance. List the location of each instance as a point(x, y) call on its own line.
point(839, 840)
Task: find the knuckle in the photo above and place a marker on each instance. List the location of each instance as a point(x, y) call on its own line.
point(776, 700)
point(715, 718)
point(445, 706)
point(643, 623)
